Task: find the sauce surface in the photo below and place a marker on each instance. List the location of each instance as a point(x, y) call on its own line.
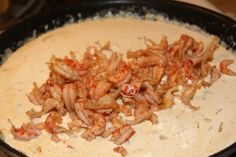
point(180, 131)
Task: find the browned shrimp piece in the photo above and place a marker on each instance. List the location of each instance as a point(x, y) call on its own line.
point(155, 60)
point(76, 124)
point(88, 135)
point(123, 134)
point(138, 53)
point(102, 59)
point(163, 45)
point(157, 74)
point(107, 102)
point(56, 92)
point(36, 96)
point(185, 44)
point(206, 55)
point(215, 75)
point(83, 114)
point(198, 47)
point(99, 124)
point(114, 61)
point(55, 138)
point(122, 76)
point(82, 90)
point(117, 122)
point(108, 132)
point(224, 67)
point(64, 70)
point(126, 109)
point(168, 98)
point(152, 97)
point(96, 129)
point(188, 94)
point(129, 90)
point(101, 89)
point(26, 132)
point(121, 150)
point(69, 97)
point(52, 123)
point(47, 106)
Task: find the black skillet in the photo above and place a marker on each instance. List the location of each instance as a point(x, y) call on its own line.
point(210, 21)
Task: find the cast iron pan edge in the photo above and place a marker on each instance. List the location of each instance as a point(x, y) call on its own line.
point(209, 21)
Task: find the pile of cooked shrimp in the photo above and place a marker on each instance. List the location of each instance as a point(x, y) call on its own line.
point(105, 93)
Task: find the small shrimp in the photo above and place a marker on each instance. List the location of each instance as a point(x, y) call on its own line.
point(36, 96)
point(101, 89)
point(224, 67)
point(151, 61)
point(56, 92)
point(99, 124)
point(142, 111)
point(102, 59)
point(157, 74)
point(163, 45)
point(114, 61)
point(208, 54)
point(88, 135)
point(63, 69)
point(141, 115)
point(54, 79)
point(69, 97)
point(122, 76)
point(185, 44)
point(108, 132)
point(173, 50)
point(82, 90)
point(126, 110)
point(188, 94)
point(152, 97)
point(47, 106)
point(55, 138)
point(198, 47)
point(168, 98)
point(129, 90)
point(76, 124)
point(121, 150)
point(51, 123)
point(188, 69)
point(80, 69)
point(117, 122)
point(83, 114)
point(107, 102)
point(138, 53)
point(26, 132)
point(215, 75)
point(122, 134)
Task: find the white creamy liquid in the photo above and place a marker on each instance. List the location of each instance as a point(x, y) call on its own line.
point(180, 131)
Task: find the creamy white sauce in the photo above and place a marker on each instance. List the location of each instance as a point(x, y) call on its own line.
point(180, 131)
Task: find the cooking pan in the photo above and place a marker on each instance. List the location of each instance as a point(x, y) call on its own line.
point(49, 19)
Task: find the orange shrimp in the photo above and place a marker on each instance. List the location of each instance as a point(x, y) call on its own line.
point(122, 134)
point(26, 132)
point(69, 97)
point(130, 90)
point(51, 123)
point(120, 149)
point(224, 67)
point(122, 76)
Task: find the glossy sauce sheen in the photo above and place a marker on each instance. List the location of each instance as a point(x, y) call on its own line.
point(180, 131)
